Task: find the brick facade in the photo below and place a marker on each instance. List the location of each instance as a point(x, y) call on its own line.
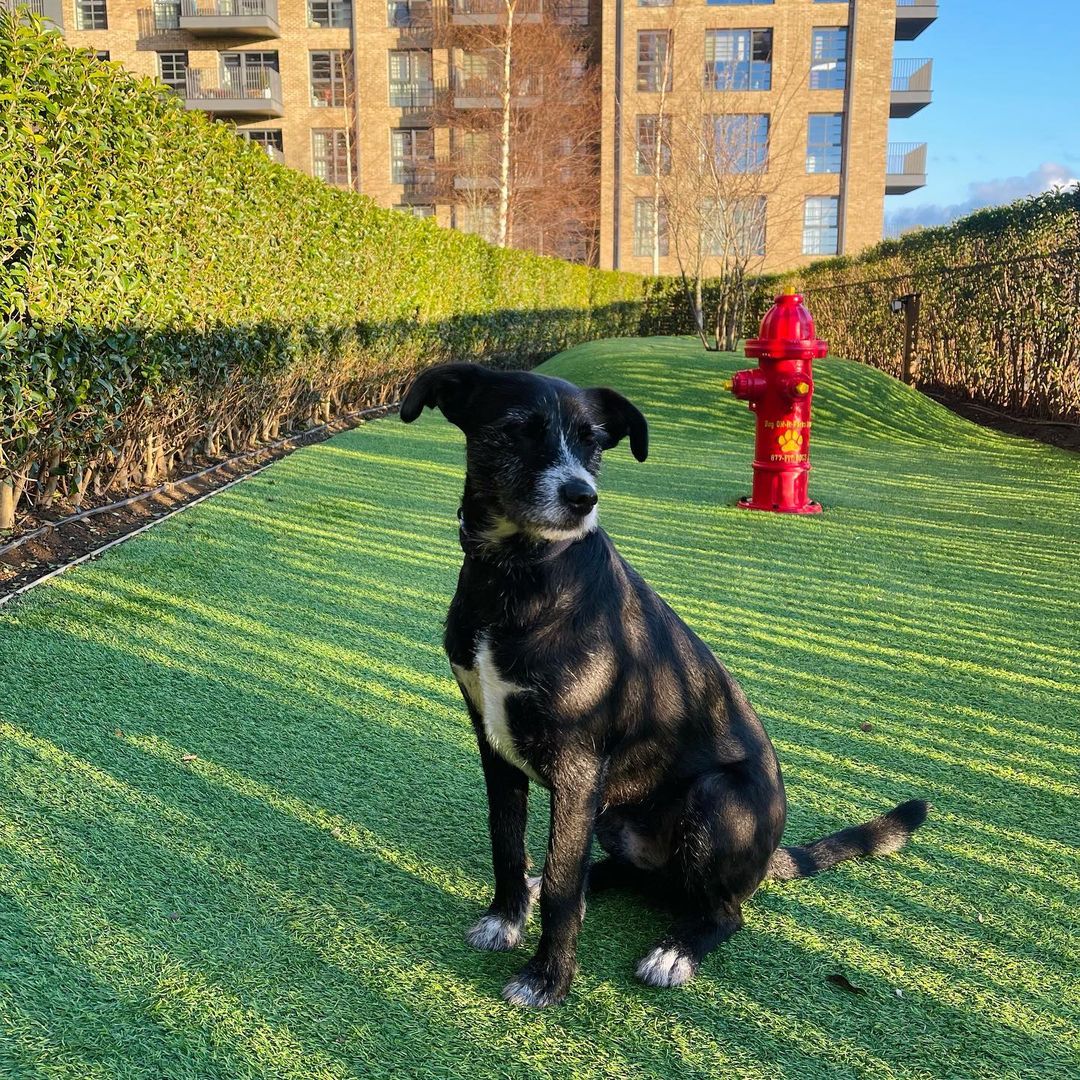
point(864, 104)
point(138, 31)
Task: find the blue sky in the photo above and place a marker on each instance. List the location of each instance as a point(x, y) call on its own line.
point(1005, 119)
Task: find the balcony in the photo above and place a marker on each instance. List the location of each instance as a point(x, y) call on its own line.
point(913, 17)
point(484, 92)
point(52, 11)
point(230, 18)
point(252, 92)
point(906, 168)
point(491, 12)
point(910, 86)
point(417, 181)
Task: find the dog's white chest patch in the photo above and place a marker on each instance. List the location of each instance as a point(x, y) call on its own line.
point(488, 691)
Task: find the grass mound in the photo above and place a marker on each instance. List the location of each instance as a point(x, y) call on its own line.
point(242, 826)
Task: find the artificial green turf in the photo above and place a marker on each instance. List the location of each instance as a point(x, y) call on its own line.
point(291, 902)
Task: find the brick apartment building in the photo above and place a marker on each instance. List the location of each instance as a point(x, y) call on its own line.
point(347, 90)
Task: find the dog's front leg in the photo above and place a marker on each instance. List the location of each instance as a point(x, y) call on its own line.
point(504, 921)
point(575, 796)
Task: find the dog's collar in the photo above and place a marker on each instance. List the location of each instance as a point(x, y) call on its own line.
point(523, 551)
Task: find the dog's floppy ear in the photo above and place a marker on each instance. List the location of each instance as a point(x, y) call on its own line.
point(619, 418)
point(446, 387)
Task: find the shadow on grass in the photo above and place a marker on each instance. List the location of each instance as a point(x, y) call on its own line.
point(327, 845)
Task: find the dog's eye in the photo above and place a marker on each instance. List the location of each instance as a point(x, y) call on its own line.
point(587, 434)
point(528, 427)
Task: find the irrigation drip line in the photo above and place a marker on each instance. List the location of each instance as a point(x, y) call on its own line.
point(970, 268)
point(120, 504)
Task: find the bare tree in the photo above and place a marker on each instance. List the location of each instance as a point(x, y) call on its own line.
point(523, 113)
point(651, 135)
point(346, 73)
point(716, 171)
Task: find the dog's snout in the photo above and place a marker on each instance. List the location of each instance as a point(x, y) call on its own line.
point(579, 494)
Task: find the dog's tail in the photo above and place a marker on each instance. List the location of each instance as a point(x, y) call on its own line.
point(882, 836)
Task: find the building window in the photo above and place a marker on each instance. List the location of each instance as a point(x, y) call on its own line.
point(268, 138)
point(329, 13)
point(644, 228)
point(331, 78)
point(648, 127)
point(478, 73)
point(653, 60)
point(828, 58)
point(412, 154)
point(722, 3)
point(411, 84)
point(172, 70)
point(478, 221)
point(654, 3)
point(738, 59)
point(244, 73)
point(820, 225)
point(735, 230)
point(330, 155)
point(91, 15)
point(102, 55)
point(823, 142)
point(405, 13)
point(167, 14)
point(739, 142)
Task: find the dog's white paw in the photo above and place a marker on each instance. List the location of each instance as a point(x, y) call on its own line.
point(666, 965)
point(533, 989)
point(493, 933)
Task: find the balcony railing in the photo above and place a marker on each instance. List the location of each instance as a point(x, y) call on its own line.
point(253, 91)
point(417, 180)
point(911, 86)
point(570, 12)
point(230, 18)
point(51, 11)
point(412, 95)
point(913, 17)
point(485, 92)
point(478, 12)
point(905, 169)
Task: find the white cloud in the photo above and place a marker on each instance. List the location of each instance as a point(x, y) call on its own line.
point(1048, 175)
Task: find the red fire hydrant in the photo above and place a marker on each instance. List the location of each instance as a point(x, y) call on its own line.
point(779, 392)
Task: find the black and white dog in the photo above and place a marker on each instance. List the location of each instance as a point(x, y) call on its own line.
point(578, 676)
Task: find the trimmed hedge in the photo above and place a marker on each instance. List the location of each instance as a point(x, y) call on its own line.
point(999, 298)
point(166, 290)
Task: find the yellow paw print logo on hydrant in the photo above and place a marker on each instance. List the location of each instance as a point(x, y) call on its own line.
point(790, 442)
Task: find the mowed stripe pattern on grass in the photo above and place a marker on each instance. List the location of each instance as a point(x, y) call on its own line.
point(291, 901)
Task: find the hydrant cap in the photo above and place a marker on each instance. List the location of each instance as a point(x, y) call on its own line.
point(787, 331)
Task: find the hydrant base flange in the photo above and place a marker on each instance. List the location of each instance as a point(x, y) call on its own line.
point(747, 503)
